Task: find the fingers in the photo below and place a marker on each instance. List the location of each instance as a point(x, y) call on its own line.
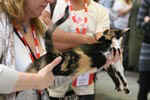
point(112, 58)
point(98, 35)
point(91, 39)
point(116, 56)
point(108, 62)
point(53, 64)
point(146, 19)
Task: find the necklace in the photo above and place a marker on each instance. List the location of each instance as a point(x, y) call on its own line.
point(78, 20)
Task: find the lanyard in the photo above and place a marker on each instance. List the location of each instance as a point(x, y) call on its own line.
point(30, 52)
point(75, 18)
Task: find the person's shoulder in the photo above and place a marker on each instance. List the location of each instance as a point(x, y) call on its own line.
point(3, 17)
point(5, 25)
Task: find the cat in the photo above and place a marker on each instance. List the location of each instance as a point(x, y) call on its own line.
point(116, 70)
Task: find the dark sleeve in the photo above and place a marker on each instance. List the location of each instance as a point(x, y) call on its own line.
point(143, 11)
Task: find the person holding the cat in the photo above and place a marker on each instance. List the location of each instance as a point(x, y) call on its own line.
point(87, 18)
point(12, 79)
point(143, 22)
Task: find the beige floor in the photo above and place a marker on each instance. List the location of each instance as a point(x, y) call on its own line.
point(105, 88)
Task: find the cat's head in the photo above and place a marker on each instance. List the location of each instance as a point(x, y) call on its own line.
point(104, 43)
point(99, 50)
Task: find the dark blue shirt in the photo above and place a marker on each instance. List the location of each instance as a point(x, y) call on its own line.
point(143, 11)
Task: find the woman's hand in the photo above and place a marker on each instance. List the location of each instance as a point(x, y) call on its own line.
point(123, 12)
point(94, 38)
point(112, 59)
point(91, 39)
point(98, 35)
point(41, 80)
point(46, 76)
point(146, 19)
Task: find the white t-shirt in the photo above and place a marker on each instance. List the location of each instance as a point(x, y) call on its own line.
point(98, 18)
point(122, 21)
point(22, 57)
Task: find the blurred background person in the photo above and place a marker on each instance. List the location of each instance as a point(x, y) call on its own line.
point(108, 4)
point(143, 22)
point(120, 13)
point(133, 39)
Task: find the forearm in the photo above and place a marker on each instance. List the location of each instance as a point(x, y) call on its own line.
point(65, 46)
point(124, 12)
point(60, 36)
point(27, 81)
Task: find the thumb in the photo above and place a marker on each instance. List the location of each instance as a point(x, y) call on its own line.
point(53, 64)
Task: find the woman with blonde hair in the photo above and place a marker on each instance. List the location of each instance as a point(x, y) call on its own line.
point(21, 42)
point(14, 57)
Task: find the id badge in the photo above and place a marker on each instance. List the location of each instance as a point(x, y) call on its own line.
point(83, 80)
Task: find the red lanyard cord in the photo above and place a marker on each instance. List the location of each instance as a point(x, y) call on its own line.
point(32, 56)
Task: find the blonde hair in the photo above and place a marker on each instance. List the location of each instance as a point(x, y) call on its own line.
point(15, 10)
point(128, 1)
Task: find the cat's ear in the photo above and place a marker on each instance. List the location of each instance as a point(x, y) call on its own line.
point(103, 37)
point(119, 33)
point(126, 30)
point(106, 32)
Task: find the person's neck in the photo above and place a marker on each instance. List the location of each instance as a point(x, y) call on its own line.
point(26, 19)
point(26, 26)
point(23, 24)
point(80, 2)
